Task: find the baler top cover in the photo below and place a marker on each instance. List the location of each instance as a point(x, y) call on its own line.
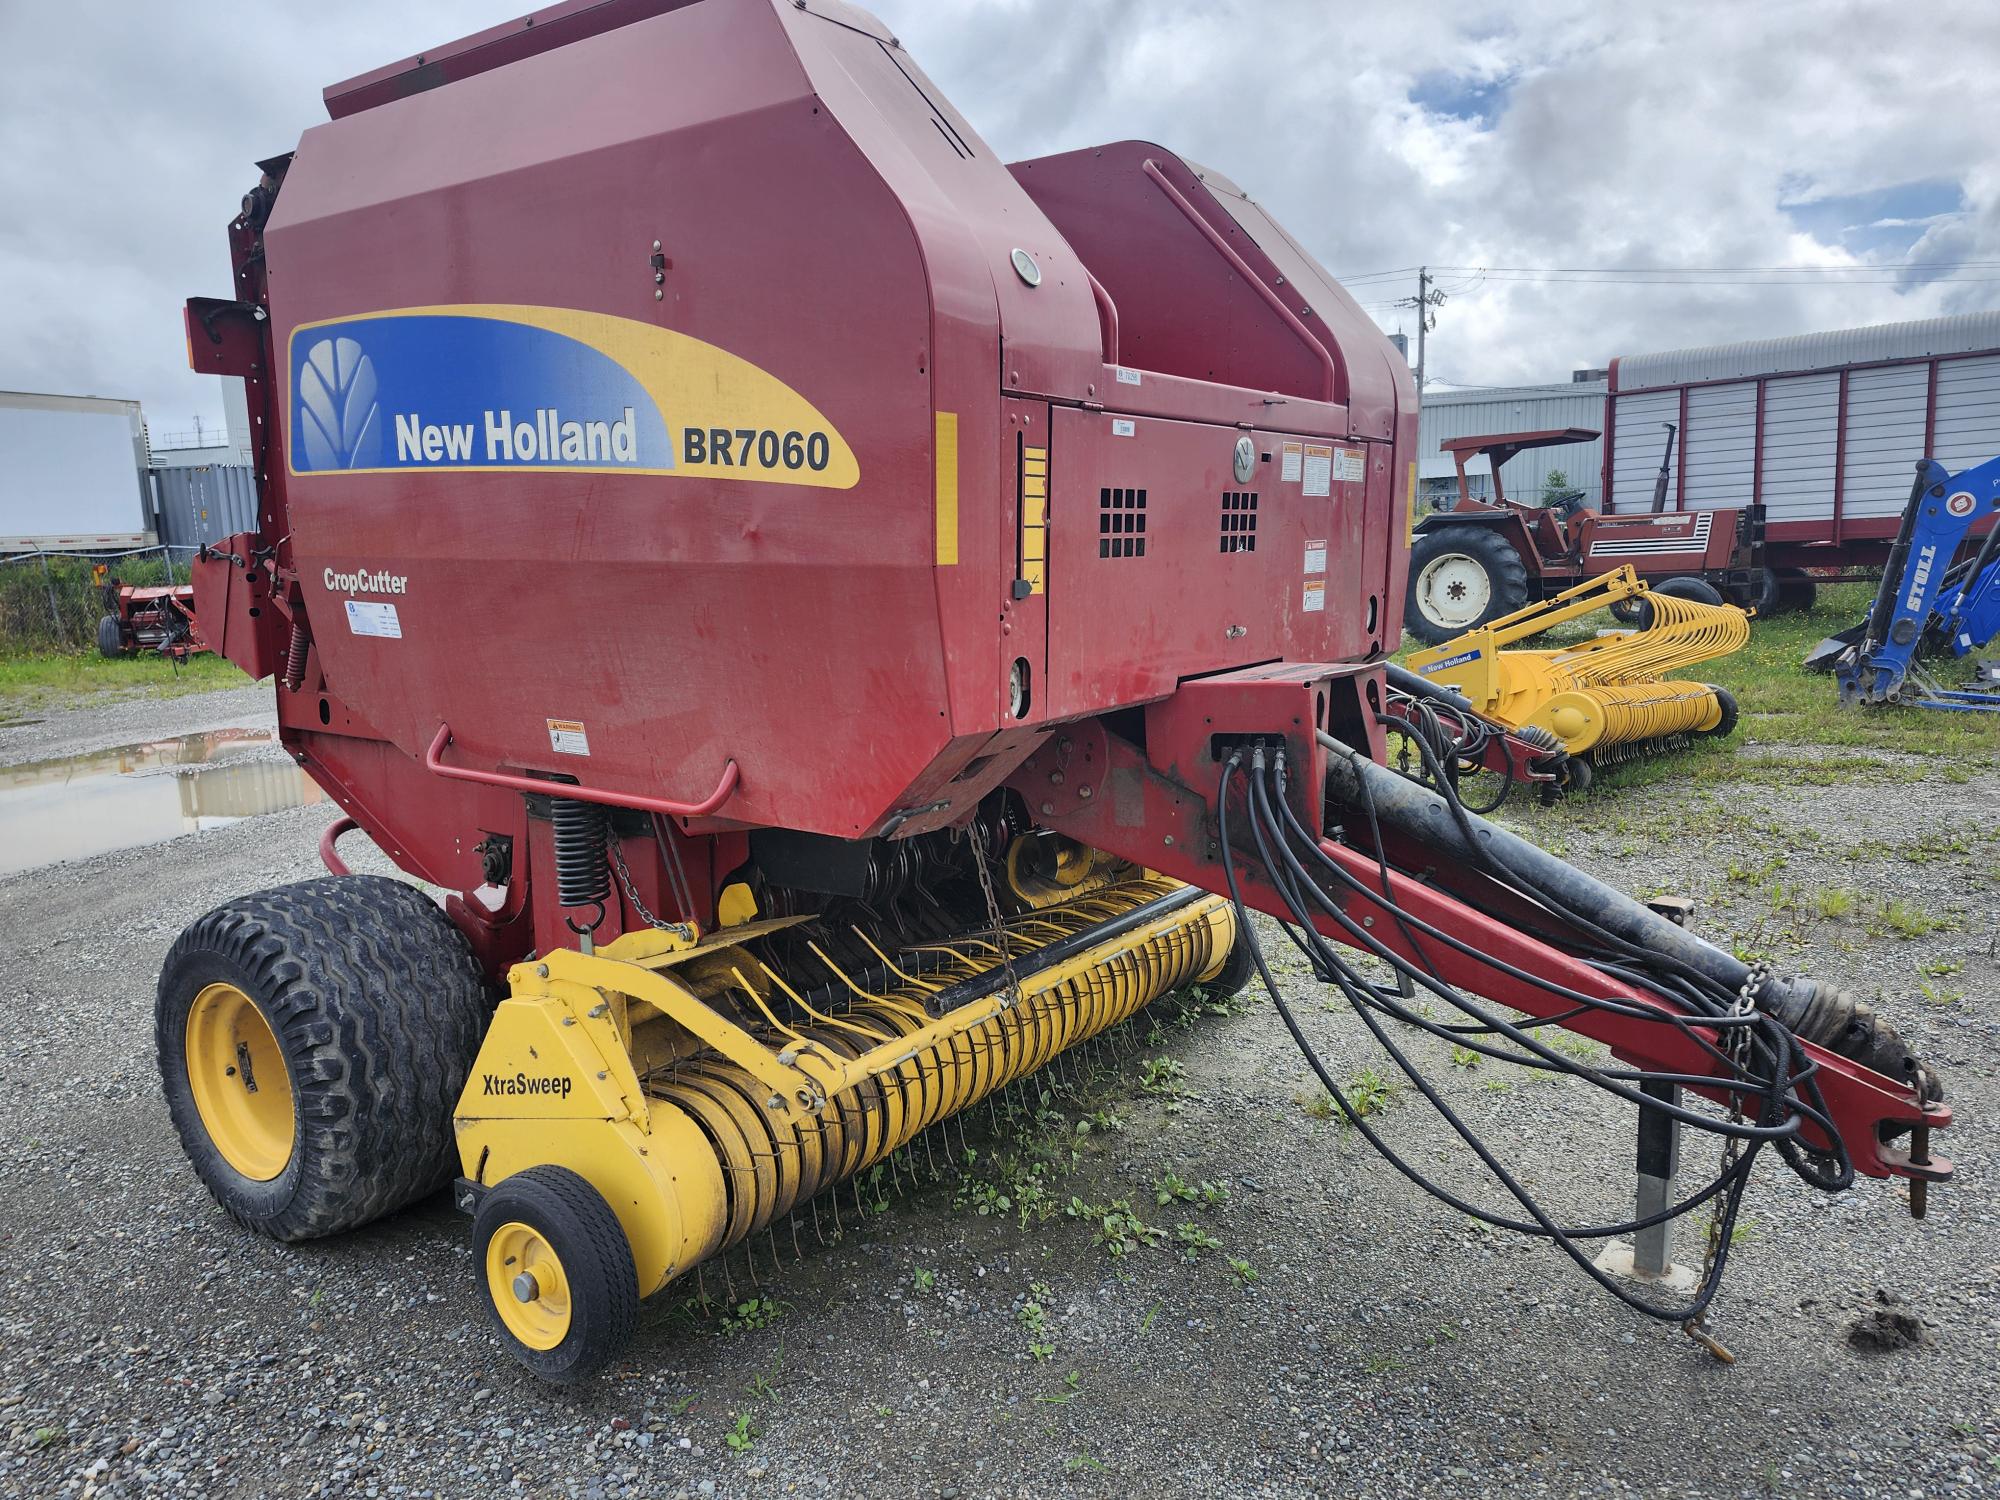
point(666, 384)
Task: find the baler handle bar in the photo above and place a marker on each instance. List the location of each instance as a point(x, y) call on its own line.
point(1255, 282)
point(434, 760)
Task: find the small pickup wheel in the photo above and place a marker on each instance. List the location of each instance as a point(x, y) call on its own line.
point(557, 1271)
point(1726, 724)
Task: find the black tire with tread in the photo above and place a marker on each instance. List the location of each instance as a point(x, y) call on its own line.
point(378, 1006)
point(1726, 725)
point(1237, 971)
point(1761, 595)
point(1505, 573)
point(1797, 592)
point(111, 638)
point(596, 1259)
point(1682, 586)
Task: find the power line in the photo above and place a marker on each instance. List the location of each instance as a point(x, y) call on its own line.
point(1876, 268)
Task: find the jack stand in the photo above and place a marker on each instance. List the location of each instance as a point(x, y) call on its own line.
point(1649, 1258)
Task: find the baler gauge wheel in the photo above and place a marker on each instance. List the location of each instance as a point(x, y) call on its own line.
point(242, 1089)
point(557, 1269)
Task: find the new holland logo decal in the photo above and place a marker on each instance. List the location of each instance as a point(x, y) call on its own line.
point(484, 388)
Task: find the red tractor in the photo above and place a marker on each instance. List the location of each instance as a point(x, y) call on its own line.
point(1478, 560)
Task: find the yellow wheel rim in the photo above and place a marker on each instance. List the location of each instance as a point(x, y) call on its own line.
point(240, 1084)
point(525, 1279)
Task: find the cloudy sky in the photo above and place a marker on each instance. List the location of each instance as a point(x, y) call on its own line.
point(1541, 140)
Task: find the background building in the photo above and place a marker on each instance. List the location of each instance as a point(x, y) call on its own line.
point(1475, 412)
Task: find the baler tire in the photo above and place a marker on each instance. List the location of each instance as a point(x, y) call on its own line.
point(600, 1306)
point(375, 1007)
point(1726, 725)
point(1506, 578)
point(111, 639)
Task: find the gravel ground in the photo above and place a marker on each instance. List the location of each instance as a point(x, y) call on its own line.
point(1384, 1347)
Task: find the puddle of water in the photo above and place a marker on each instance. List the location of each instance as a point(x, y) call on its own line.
point(141, 794)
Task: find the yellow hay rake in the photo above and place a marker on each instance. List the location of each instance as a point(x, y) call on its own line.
point(1602, 694)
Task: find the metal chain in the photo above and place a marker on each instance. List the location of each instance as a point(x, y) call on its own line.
point(684, 930)
point(998, 930)
point(1737, 1045)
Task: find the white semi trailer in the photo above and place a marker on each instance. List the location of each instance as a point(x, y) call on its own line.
point(72, 474)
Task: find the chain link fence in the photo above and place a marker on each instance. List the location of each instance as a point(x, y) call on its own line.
point(52, 601)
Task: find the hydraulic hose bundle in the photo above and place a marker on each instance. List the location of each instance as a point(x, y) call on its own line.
point(1771, 1082)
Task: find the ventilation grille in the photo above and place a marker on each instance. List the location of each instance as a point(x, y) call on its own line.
point(1121, 523)
point(1239, 521)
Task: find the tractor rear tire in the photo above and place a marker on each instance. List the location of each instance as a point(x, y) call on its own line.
point(313, 1040)
point(1460, 578)
point(557, 1270)
point(111, 639)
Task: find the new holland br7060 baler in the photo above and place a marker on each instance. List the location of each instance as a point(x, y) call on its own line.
point(842, 620)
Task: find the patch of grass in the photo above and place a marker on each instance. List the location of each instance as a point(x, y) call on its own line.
point(1938, 995)
point(743, 1436)
point(1161, 1075)
point(924, 1280)
point(1117, 1228)
point(1836, 901)
point(1369, 1093)
point(1906, 921)
point(30, 681)
point(1242, 1269)
point(1194, 1240)
point(1464, 1057)
point(1317, 1103)
point(753, 1314)
point(1034, 1317)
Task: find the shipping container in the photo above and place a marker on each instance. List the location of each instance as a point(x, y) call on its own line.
point(194, 504)
point(72, 474)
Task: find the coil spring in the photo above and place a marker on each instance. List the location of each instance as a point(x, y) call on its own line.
point(295, 657)
point(583, 872)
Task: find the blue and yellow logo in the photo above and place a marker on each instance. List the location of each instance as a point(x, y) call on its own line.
point(487, 387)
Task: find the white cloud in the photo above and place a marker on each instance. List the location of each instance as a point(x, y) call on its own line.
point(1627, 135)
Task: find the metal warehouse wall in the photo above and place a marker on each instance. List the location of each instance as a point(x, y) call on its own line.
point(202, 504)
point(1526, 408)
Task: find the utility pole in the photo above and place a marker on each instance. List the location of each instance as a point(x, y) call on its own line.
point(1425, 300)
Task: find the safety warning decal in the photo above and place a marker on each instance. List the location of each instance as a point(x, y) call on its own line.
point(1293, 463)
point(364, 617)
point(1315, 596)
point(566, 737)
point(1349, 466)
point(1319, 469)
point(1316, 556)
